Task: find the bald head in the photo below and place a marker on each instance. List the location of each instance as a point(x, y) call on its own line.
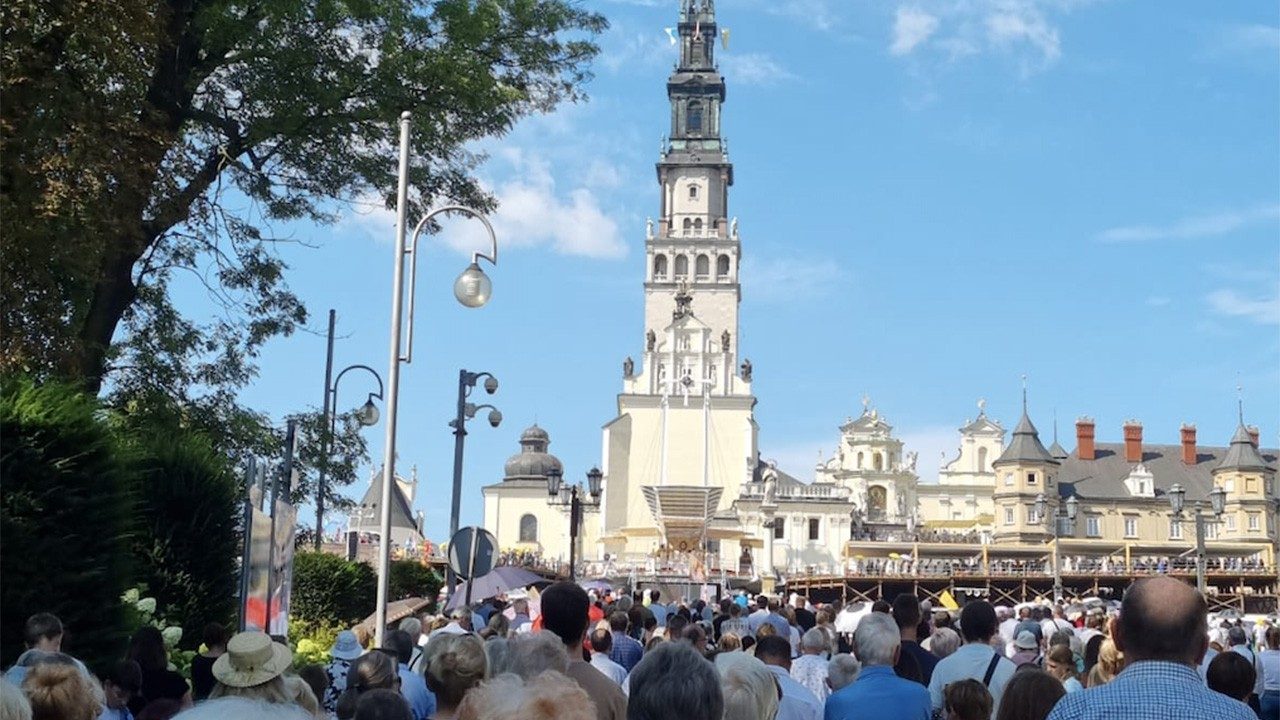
point(1162, 619)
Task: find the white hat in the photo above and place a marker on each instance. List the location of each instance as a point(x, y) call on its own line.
point(1026, 640)
point(346, 646)
point(252, 658)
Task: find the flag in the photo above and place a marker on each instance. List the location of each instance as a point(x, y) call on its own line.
point(948, 601)
point(671, 35)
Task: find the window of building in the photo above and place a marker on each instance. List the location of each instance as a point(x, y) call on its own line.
point(1008, 516)
point(1033, 517)
point(1251, 485)
point(778, 532)
point(1092, 526)
point(1211, 531)
point(1230, 485)
point(982, 459)
point(1131, 527)
point(1231, 522)
point(814, 525)
point(688, 226)
point(693, 192)
point(1175, 530)
point(682, 266)
point(697, 226)
point(877, 461)
point(1255, 522)
point(1031, 478)
point(528, 529)
point(722, 266)
point(702, 267)
point(659, 267)
point(1008, 479)
point(859, 461)
point(694, 119)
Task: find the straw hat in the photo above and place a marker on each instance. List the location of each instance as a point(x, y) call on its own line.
point(252, 658)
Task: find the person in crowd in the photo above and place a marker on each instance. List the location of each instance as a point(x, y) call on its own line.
point(1110, 663)
point(722, 615)
point(967, 700)
point(564, 614)
point(498, 627)
point(371, 671)
point(13, 703)
point(793, 628)
point(797, 702)
point(422, 702)
point(729, 646)
point(1030, 695)
point(60, 691)
point(757, 617)
point(532, 655)
point(42, 635)
point(882, 606)
point(215, 644)
point(625, 650)
point(240, 708)
point(253, 667)
point(497, 655)
point(383, 705)
point(906, 613)
point(1092, 647)
point(944, 641)
point(976, 659)
point(1055, 620)
point(1162, 632)
point(1061, 664)
point(1238, 640)
point(601, 643)
point(1006, 628)
point(1026, 649)
point(1232, 675)
point(549, 696)
point(810, 669)
point(842, 669)
point(735, 623)
point(520, 604)
point(805, 617)
point(118, 688)
point(413, 626)
point(657, 608)
point(455, 668)
point(162, 709)
point(459, 623)
point(878, 693)
point(346, 648)
point(1028, 620)
point(1269, 660)
point(696, 637)
point(674, 676)
point(749, 689)
point(158, 681)
point(316, 679)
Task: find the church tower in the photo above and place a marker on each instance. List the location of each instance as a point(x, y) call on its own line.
point(684, 441)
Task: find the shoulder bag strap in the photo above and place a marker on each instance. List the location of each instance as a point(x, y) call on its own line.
point(991, 670)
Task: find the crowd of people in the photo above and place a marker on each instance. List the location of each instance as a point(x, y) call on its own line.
point(567, 653)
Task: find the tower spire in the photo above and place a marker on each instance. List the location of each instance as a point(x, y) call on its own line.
point(1024, 393)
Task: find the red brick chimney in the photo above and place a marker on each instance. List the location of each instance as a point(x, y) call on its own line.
point(1188, 444)
point(1253, 434)
point(1084, 438)
point(1132, 441)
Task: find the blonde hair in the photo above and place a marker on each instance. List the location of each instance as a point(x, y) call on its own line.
point(13, 704)
point(302, 694)
point(60, 692)
point(271, 691)
point(749, 689)
point(456, 667)
point(730, 641)
point(766, 630)
point(549, 696)
point(1110, 663)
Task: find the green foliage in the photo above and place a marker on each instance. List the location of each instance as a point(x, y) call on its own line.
point(65, 516)
point(312, 640)
point(410, 578)
point(188, 542)
point(328, 589)
point(142, 611)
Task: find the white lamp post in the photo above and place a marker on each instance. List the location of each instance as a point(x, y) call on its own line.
point(472, 289)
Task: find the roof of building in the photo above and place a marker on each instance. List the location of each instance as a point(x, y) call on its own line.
point(1242, 455)
point(401, 514)
point(982, 424)
point(1025, 446)
point(533, 462)
point(1057, 452)
point(1104, 476)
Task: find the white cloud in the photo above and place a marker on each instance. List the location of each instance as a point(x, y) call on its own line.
point(754, 69)
point(1024, 24)
point(1196, 226)
point(1264, 311)
point(911, 26)
point(784, 280)
point(625, 50)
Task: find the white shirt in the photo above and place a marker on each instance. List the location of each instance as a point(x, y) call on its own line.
point(452, 628)
point(1006, 634)
point(611, 669)
point(971, 661)
point(811, 672)
point(797, 702)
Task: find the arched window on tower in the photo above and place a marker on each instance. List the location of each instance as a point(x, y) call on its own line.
point(859, 461)
point(878, 461)
point(722, 267)
point(688, 226)
point(528, 529)
point(682, 266)
point(982, 459)
point(693, 192)
point(702, 267)
point(659, 267)
point(693, 122)
point(697, 226)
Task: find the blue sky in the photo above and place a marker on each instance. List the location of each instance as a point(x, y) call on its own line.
point(934, 199)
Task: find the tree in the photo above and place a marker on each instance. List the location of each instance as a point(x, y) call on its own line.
point(66, 515)
point(140, 140)
point(330, 590)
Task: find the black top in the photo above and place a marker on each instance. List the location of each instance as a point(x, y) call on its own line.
point(805, 619)
point(202, 677)
point(157, 684)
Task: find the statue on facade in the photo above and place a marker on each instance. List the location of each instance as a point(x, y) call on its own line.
point(746, 370)
point(628, 367)
point(650, 340)
point(724, 341)
point(911, 461)
point(902, 505)
point(770, 489)
point(733, 227)
point(648, 227)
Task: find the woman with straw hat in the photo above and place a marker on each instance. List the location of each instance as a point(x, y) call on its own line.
point(253, 667)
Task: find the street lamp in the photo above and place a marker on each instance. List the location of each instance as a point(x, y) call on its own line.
point(1217, 503)
point(472, 289)
point(466, 410)
point(559, 494)
point(367, 415)
point(1072, 508)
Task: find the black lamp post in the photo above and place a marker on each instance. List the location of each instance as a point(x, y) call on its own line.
point(1072, 508)
point(1217, 503)
point(466, 410)
point(571, 496)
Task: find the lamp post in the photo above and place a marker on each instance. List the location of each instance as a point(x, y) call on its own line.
point(570, 496)
point(472, 289)
point(466, 410)
point(1072, 508)
point(367, 415)
point(1217, 503)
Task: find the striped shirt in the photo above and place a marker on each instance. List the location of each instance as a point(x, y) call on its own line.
point(1151, 689)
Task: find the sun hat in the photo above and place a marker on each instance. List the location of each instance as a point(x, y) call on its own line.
point(252, 658)
point(1026, 640)
point(346, 646)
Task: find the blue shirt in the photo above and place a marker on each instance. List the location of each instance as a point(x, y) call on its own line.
point(414, 689)
point(659, 613)
point(780, 624)
point(626, 651)
point(878, 694)
point(1151, 689)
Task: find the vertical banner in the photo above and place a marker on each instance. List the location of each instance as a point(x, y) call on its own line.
point(258, 569)
point(282, 573)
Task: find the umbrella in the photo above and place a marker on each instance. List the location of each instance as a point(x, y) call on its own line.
point(498, 581)
point(396, 611)
point(597, 585)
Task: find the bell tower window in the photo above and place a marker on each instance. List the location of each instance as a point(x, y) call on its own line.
point(687, 226)
point(682, 266)
point(693, 192)
point(697, 226)
point(702, 267)
point(660, 267)
point(722, 266)
point(693, 120)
